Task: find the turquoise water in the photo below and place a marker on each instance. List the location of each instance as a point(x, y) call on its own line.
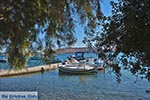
point(101, 86)
point(58, 58)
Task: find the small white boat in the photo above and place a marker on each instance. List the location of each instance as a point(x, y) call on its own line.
point(77, 68)
point(3, 59)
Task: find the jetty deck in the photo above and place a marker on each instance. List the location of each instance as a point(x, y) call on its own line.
point(42, 68)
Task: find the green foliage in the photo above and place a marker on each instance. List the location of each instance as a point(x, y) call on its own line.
point(129, 26)
point(28, 26)
point(127, 31)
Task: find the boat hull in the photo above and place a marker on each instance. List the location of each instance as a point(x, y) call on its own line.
point(67, 70)
point(3, 60)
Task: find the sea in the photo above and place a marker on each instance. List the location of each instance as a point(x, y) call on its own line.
point(104, 85)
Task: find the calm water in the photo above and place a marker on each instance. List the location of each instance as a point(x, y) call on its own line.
point(101, 86)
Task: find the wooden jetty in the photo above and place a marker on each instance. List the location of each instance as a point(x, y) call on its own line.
point(42, 68)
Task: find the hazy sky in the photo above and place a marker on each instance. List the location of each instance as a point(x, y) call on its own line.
point(106, 9)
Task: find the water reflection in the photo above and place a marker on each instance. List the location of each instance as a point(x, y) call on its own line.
point(83, 79)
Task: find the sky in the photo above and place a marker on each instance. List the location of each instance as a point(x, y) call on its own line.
point(106, 9)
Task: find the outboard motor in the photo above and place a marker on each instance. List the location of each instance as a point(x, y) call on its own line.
point(63, 63)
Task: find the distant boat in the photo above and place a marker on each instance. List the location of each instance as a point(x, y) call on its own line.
point(3, 58)
point(77, 68)
point(78, 56)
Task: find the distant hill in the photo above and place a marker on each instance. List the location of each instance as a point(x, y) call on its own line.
point(71, 50)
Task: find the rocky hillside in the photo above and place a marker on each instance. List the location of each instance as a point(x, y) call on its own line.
point(71, 50)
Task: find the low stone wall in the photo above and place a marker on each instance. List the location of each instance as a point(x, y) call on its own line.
point(5, 73)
